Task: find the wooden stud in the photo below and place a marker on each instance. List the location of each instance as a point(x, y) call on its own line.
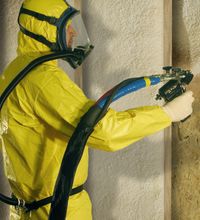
point(167, 133)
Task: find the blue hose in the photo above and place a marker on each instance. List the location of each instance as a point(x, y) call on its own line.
point(131, 87)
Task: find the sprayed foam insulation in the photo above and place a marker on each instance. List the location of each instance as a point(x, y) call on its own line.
point(128, 39)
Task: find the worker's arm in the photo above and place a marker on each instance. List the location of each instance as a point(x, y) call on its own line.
point(61, 103)
point(120, 129)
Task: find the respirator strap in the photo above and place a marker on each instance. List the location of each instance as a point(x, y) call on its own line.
point(39, 16)
point(40, 38)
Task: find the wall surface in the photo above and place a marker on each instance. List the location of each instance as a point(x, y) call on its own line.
point(186, 143)
point(128, 39)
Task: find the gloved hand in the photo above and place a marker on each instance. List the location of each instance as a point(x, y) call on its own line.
point(181, 107)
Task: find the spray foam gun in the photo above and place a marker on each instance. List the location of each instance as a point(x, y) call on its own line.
point(176, 85)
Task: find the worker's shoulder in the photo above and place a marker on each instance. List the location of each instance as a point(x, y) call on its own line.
point(38, 74)
point(46, 75)
point(44, 70)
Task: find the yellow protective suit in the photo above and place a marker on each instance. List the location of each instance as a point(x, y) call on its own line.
point(40, 115)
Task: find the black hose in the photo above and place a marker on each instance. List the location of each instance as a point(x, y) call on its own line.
point(74, 151)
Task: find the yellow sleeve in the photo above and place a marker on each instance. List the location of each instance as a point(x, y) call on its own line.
point(61, 103)
point(120, 129)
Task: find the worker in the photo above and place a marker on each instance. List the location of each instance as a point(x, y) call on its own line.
point(41, 113)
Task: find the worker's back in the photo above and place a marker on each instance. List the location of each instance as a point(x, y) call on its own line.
point(33, 148)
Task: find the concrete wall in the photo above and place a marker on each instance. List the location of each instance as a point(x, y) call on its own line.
point(186, 145)
point(128, 39)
